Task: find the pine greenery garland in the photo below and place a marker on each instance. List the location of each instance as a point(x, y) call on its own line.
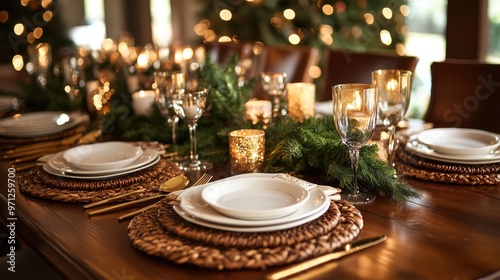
point(314, 147)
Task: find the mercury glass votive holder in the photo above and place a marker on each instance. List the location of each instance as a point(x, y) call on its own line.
point(301, 99)
point(258, 111)
point(246, 150)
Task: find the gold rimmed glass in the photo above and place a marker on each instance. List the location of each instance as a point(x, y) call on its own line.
point(355, 114)
point(394, 88)
point(274, 86)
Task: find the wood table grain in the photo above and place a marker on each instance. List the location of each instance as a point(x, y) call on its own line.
point(451, 232)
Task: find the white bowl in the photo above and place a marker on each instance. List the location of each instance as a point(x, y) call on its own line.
point(255, 198)
point(459, 141)
point(103, 156)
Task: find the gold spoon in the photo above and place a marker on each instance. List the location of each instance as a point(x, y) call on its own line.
point(175, 183)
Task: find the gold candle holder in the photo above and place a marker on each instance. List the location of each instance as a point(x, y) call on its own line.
point(246, 150)
point(301, 98)
point(258, 111)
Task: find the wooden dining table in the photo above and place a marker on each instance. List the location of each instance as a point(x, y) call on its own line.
point(450, 232)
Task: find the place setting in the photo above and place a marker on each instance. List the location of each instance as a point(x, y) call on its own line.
point(38, 127)
point(93, 172)
point(452, 155)
point(214, 224)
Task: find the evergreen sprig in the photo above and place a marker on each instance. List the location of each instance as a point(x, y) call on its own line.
point(314, 147)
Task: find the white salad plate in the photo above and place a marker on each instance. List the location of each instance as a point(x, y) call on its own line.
point(59, 164)
point(196, 208)
point(459, 141)
point(103, 156)
point(51, 170)
point(416, 147)
point(37, 124)
point(255, 199)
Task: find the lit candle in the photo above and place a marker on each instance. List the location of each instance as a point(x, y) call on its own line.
point(258, 111)
point(142, 102)
point(301, 99)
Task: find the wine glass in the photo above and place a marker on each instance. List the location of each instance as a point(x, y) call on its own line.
point(355, 114)
point(393, 87)
point(189, 105)
point(274, 85)
point(165, 87)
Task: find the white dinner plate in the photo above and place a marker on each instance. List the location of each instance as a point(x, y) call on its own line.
point(103, 156)
point(194, 206)
point(27, 125)
point(255, 199)
point(58, 163)
point(55, 172)
point(459, 141)
point(416, 147)
point(271, 227)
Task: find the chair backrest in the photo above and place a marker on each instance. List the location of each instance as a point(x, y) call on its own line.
point(295, 61)
point(344, 66)
point(465, 94)
point(222, 52)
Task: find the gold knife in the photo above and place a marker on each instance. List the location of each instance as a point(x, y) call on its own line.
point(348, 249)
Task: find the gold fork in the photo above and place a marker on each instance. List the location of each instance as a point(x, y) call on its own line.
point(205, 178)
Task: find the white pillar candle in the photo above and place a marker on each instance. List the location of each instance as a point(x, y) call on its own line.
point(301, 98)
point(142, 102)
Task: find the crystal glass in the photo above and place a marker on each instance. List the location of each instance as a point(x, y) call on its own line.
point(355, 114)
point(274, 85)
point(165, 88)
point(394, 99)
point(190, 106)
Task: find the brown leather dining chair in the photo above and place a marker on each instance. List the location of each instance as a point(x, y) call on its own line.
point(295, 61)
point(344, 66)
point(465, 94)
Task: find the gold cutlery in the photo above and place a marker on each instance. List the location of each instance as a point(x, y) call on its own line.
point(41, 147)
point(205, 178)
point(172, 184)
point(348, 249)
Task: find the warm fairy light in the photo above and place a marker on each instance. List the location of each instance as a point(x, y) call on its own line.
point(403, 29)
point(187, 53)
point(209, 35)
point(405, 10)
point(387, 13)
point(400, 49)
point(46, 3)
point(4, 16)
point(19, 29)
point(314, 71)
point(108, 44)
point(25, 2)
point(289, 14)
point(327, 9)
point(357, 32)
point(385, 37)
point(17, 62)
point(275, 22)
point(47, 16)
point(200, 28)
point(294, 39)
point(326, 29)
point(225, 15)
point(257, 48)
point(369, 19)
point(30, 38)
point(224, 39)
point(326, 39)
point(38, 32)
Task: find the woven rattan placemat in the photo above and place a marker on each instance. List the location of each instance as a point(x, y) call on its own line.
point(38, 183)
point(435, 171)
point(161, 232)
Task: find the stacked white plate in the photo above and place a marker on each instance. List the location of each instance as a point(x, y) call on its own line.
point(37, 124)
point(256, 202)
point(456, 145)
point(101, 161)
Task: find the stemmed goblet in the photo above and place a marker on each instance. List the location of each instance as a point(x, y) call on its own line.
point(355, 114)
point(274, 85)
point(165, 87)
point(394, 99)
point(189, 105)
